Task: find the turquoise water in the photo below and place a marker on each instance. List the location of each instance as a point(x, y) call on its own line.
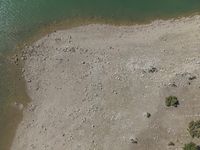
point(19, 19)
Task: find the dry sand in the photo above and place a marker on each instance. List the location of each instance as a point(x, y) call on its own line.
point(91, 86)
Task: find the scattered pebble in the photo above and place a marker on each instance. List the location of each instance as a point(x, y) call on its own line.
point(115, 92)
point(146, 115)
point(23, 70)
point(171, 144)
point(192, 77)
point(134, 140)
point(152, 69)
point(172, 84)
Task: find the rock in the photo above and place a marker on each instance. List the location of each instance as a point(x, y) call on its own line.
point(172, 84)
point(134, 140)
point(66, 49)
point(15, 59)
point(32, 108)
point(171, 144)
point(72, 49)
point(146, 114)
point(58, 39)
point(23, 70)
point(192, 77)
point(152, 69)
point(23, 58)
point(115, 92)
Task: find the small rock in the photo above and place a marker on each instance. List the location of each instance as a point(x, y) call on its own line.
point(172, 84)
point(192, 77)
point(32, 108)
point(23, 70)
point(171, 144)
point(146, 114)
point(23, 58)
point(134, 140)
point(72, 49)
point(115, 92)
point(111, 47)
point(37, 88)
point(152, 69)
point(58, 39)
point(15, 59)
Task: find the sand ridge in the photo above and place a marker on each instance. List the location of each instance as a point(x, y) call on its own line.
point(91, 85)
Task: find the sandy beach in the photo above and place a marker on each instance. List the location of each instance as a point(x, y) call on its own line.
point(92, 86)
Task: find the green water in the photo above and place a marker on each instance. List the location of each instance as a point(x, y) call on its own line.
point(19, 19)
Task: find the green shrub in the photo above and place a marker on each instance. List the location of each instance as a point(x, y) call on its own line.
point(190, 146)
point(171, 101)
point(194, 128)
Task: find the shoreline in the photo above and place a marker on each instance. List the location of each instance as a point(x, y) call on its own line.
point(156, 23)
point(77, 22)
point(61, 25)
point(15, 101)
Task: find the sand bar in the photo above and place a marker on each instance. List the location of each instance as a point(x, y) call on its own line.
point(92, 85)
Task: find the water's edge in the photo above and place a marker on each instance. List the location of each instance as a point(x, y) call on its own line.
point(13, 115)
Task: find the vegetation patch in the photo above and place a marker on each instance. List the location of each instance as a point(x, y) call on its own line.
point(190, 146)
point(194, 129)
point(171, 101)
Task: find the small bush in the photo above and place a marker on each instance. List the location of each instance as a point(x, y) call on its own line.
point(194, 129)
point(171, 101)
point(190, 146)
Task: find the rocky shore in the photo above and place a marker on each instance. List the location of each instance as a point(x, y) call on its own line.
point(103, 87)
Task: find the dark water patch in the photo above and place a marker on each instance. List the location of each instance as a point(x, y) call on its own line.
point(12, 92)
